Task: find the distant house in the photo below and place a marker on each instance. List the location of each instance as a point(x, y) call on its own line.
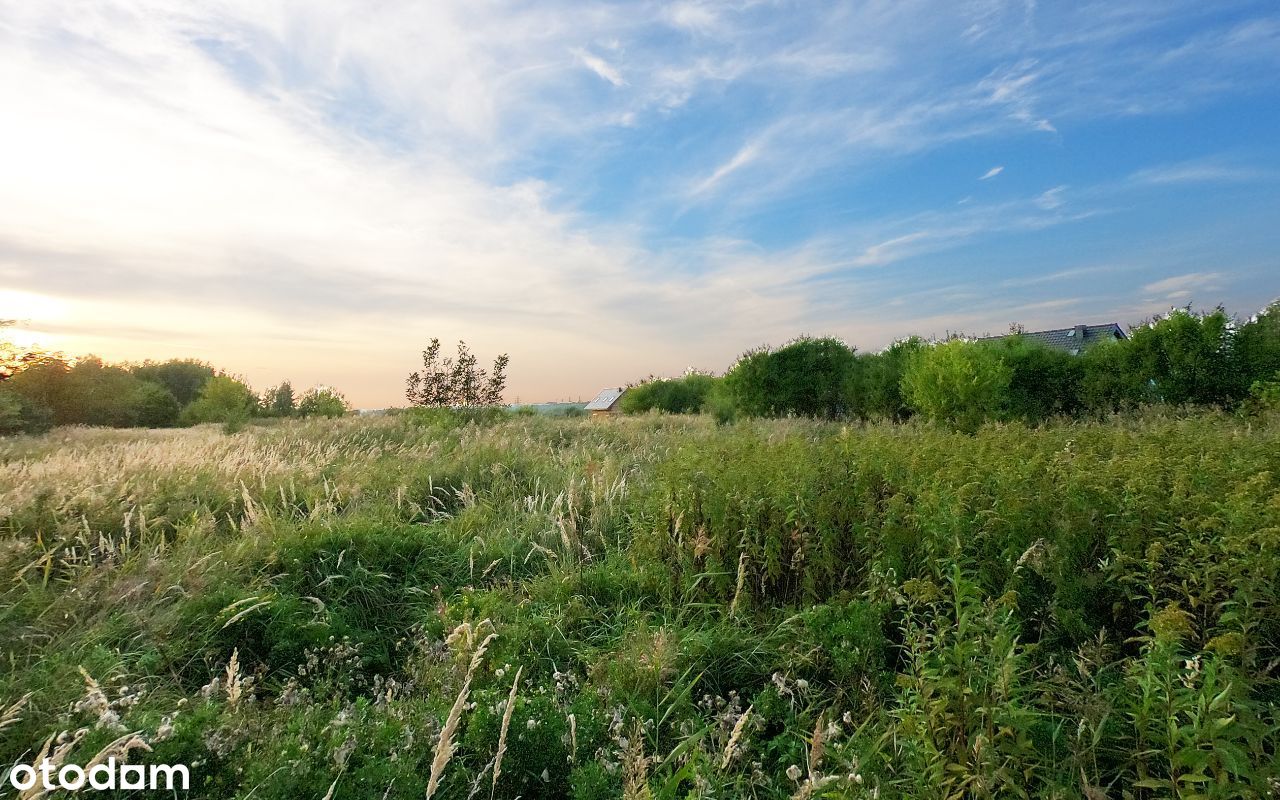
point(606, 403)
point(1074, 340)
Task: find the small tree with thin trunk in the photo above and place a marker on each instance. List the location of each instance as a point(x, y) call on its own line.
point(456, 382)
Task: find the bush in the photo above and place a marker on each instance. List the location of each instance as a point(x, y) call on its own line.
point(1108, 382)
point(876, 387)
point(1256, 349)
point(323, 402)
point(805, 378)
point(685, 395)
point(1043, 381)
point(156, 407)
point(1186, 357)
point(223, 399)
point(959, 383)
point(93, 393)
point(184, 378)
point(20, 415)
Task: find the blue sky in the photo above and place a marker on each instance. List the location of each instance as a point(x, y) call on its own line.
point(608, 190)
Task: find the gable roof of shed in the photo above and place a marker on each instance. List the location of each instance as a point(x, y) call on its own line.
point(605, 400)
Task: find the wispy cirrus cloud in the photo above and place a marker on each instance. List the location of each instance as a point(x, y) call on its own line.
point(1179, 287)
point(1195, 172)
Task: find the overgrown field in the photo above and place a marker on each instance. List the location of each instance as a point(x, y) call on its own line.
point(418, 605)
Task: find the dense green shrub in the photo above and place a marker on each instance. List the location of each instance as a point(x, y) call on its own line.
point(323, 402)
point(685, 395)
point(223, 399)
point(1108, 382)
point(876, 386)
point(1043, 382)
point(958, 382)
point(806, 378)
point(184, 378)
point(1255, 348)
point(90, 392)
point(1186, 357)
point(20, 415)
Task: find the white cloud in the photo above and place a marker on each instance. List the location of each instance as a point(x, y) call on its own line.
point(600, 67)
point(691, 16)
point(331, 180)
point(745, 155)
point(1051, 199)
point(991, 173)
point(1180, 286)
point(1194, 172)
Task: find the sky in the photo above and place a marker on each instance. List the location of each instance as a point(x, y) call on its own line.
point(313, 190)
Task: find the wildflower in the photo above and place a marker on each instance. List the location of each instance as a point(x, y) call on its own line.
point(1171, 624)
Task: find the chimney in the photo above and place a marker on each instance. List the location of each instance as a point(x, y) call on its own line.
point(1080, 332)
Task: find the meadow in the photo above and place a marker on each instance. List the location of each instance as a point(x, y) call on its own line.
point(451, 605)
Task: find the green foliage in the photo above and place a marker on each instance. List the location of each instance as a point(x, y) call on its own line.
point(90, 392)
point(154, 406)
point(958, 383)
point(279, 401)
point(1043, 382)
point(322, 401)
point(806, 378)
point(1263, 396)
point(1108, 382)
point(223, 399)
point(685, 395)
point(877, 383)
point(720, 403)
point(20, 415)
point(451, 383)
point(1186, 357)
point(1256, 348)
point(183, 377)
point(769, 609)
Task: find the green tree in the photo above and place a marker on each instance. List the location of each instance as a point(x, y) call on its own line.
point(1256, 349)
point(1187, 357)
point(43, 384)
point(959, 383)
point(279, 401)
point(184, 378)
point(20, 415)
point(223, 399)
point(323, 402)
point(456, 382)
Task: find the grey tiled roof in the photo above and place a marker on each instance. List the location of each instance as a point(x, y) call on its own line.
point(1074, 339)
point(605, 400)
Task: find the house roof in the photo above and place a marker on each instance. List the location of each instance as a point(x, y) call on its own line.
point(1073, 339)
point(605, 400)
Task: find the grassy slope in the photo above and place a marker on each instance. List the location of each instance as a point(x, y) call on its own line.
point(1081, 610)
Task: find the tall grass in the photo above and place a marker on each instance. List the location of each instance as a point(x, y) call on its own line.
point(444, 605)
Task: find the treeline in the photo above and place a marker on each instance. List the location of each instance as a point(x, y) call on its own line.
point(1180, 358)
point(40, 391)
